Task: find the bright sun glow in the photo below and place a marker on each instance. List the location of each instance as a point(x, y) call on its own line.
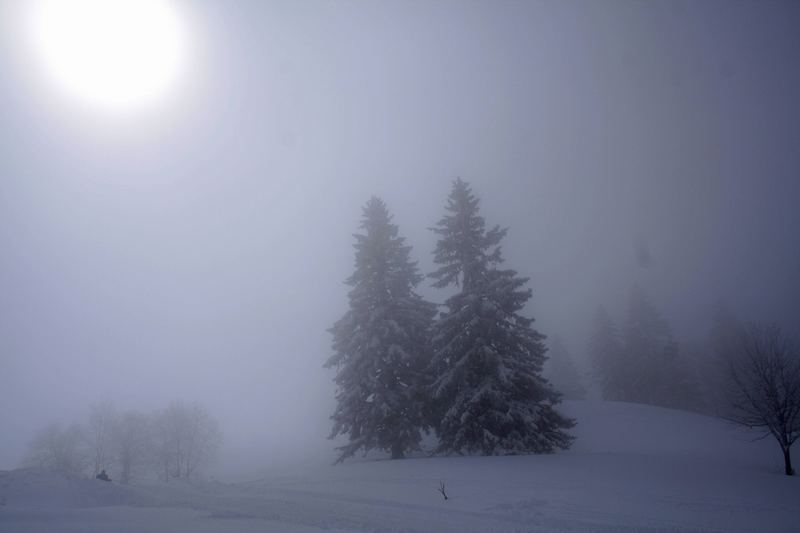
point(113, 54)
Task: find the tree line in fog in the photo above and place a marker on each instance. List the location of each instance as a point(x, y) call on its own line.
point(177, 442)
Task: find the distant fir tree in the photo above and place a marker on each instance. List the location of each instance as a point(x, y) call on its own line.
point(607, 355)
point(704, 379)
point(488, 390)
point(727, 336)
point(560, 369)
point(653, 372)
point(381, 344)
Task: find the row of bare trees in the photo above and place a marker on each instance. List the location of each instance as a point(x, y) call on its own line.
point(177, 442)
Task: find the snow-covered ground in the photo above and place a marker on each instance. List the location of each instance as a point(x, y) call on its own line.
point(633, 468)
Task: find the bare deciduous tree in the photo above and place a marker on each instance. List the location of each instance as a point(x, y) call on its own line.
point(56, 448)
point(765, 391)
point(161, 445)
point(187, 439)
point(202, 440)
point(102, 417)
point(131, 443)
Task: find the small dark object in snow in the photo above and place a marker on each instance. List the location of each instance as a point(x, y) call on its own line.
point(102, 475)
point(441, 489)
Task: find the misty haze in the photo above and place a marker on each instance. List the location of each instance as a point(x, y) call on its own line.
point(433, 266)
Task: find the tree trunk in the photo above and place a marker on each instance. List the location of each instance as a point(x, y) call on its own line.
point(787, 462)
point(397, 451)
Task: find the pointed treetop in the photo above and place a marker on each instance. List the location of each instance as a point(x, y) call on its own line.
point(465, 250)
point(375, 209)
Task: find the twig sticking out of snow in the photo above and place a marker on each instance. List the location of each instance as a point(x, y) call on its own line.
point(441, 489)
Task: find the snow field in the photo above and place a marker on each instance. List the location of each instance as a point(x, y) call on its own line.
point(633, 468)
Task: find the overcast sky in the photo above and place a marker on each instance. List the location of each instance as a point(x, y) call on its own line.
point(198, 250)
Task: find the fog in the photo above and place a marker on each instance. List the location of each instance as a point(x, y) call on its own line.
point(197, 251)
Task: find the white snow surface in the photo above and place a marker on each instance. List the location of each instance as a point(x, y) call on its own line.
point(634, 468)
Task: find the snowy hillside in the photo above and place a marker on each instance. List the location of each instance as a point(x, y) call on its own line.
point(633, 468)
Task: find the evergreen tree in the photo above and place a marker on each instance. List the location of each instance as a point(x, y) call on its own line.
point(726, 338)
point(381, 344)
point(727, 334)
point(653, 372)
point(562, 373)
point(488, 391)
point(606, 354)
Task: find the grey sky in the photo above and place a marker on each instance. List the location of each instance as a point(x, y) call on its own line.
point(198, 252)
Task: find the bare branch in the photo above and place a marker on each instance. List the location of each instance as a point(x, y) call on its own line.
point(765, 392)
point(442, 490)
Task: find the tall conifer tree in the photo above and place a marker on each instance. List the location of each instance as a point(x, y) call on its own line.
point(488, 391)
point(607, 355)
point(381, 344)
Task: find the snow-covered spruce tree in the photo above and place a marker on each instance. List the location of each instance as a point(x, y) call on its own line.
point(562, 372)
point(488, 390)
point(381, 344)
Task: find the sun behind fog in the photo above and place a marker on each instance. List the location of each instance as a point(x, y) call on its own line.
point(112, 54)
